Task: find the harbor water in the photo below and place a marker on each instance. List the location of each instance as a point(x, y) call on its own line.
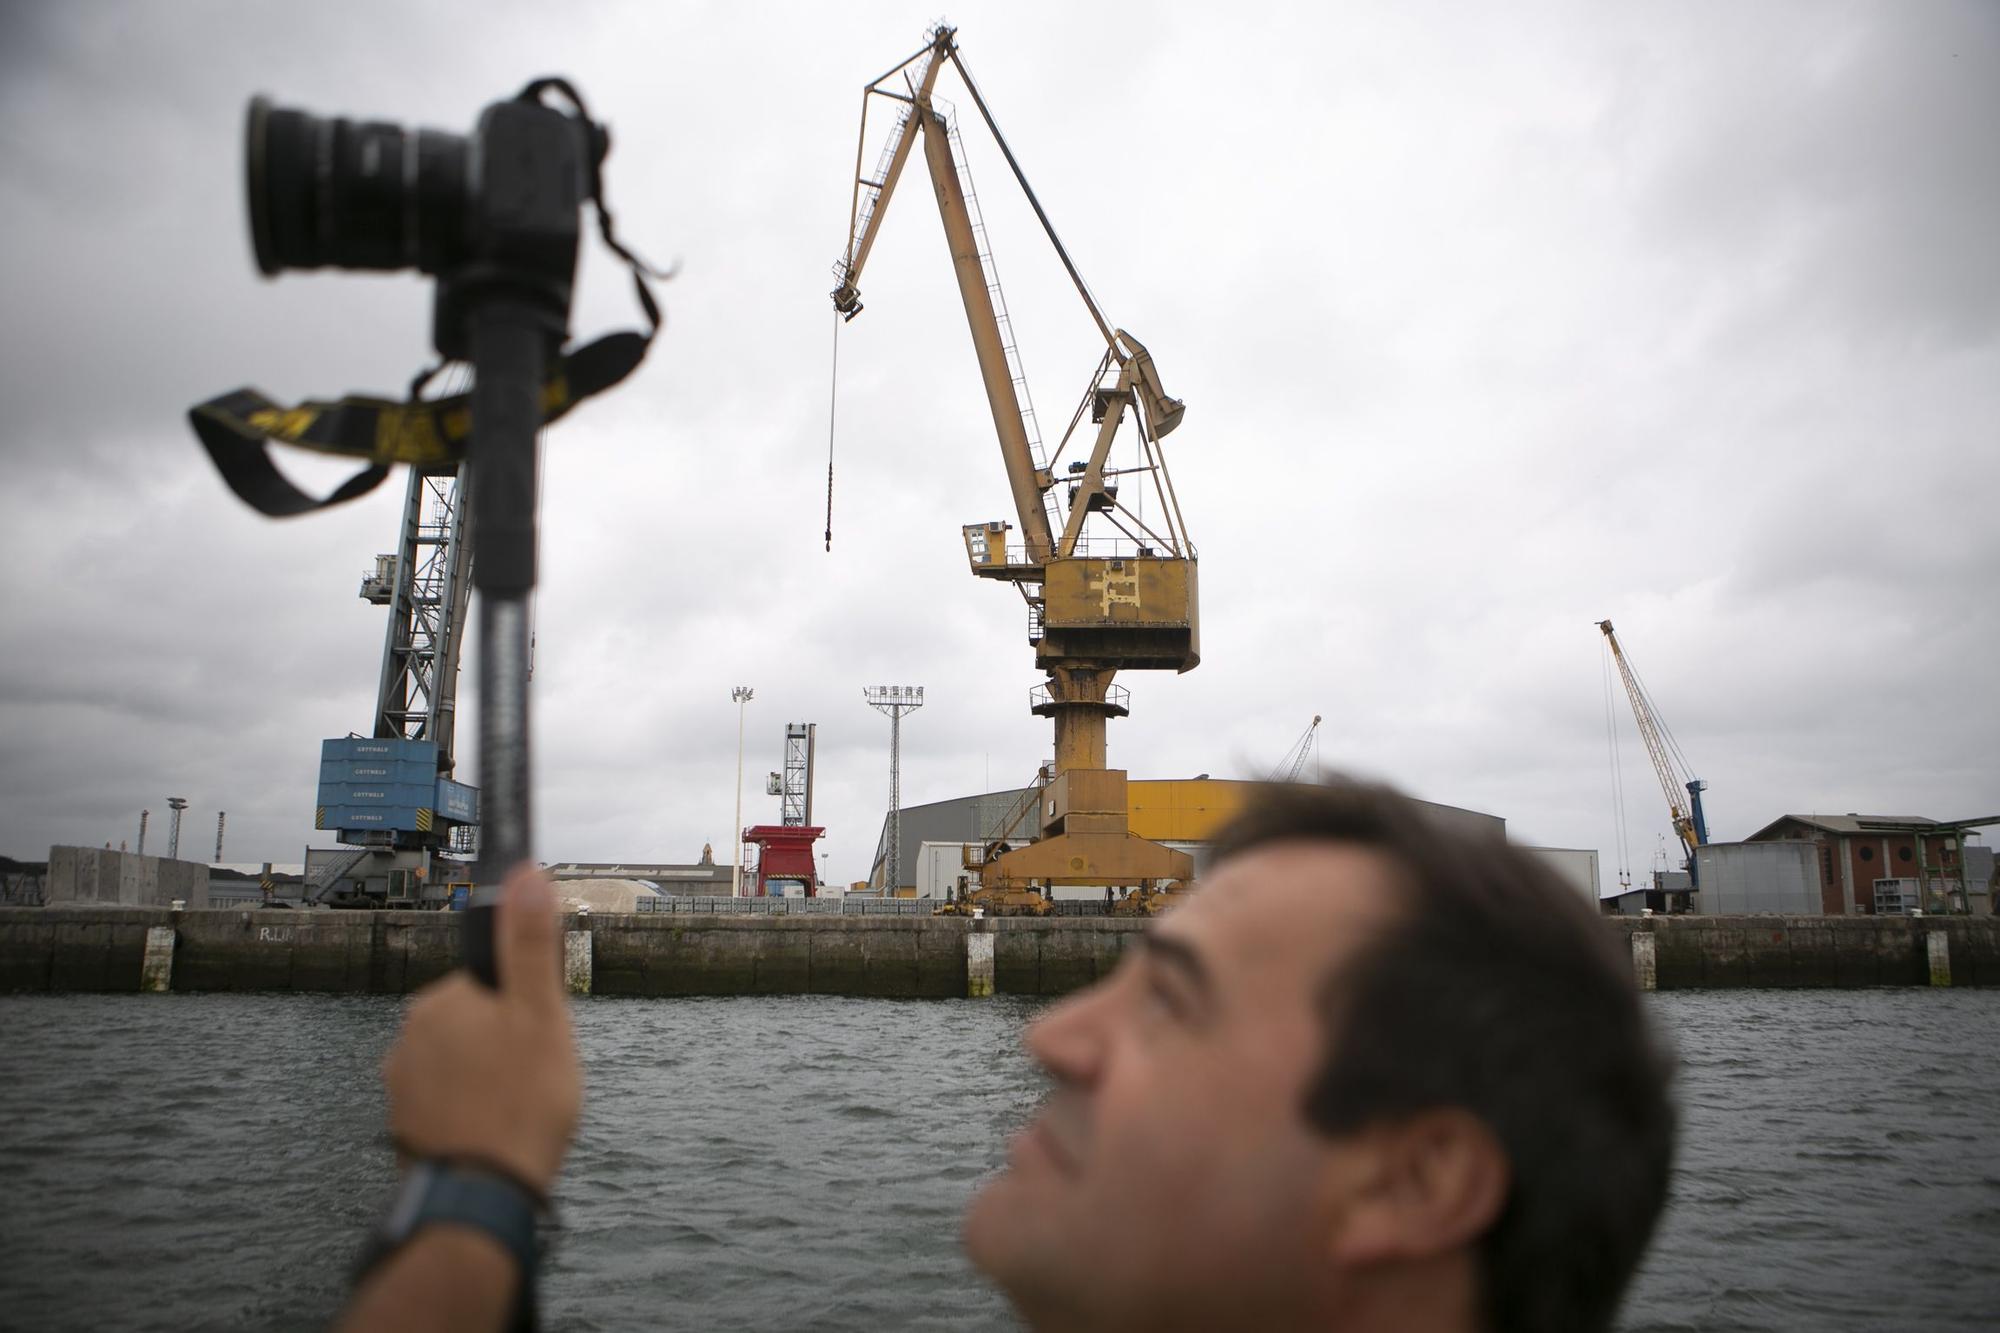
point(212, 1161)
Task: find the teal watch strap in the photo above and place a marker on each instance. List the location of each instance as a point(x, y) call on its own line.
point(465, 1195)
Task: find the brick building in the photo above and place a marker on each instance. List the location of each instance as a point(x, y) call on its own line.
point(1910, 861)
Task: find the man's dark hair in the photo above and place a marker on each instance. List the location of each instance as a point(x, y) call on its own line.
point(1498, 991)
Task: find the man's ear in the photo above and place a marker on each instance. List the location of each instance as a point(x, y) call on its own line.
point(1422, 1185)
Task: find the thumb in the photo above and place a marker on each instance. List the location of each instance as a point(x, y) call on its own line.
point(526, 946)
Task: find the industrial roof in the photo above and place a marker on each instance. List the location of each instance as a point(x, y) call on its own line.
point(977, 818)
point(1853, 823)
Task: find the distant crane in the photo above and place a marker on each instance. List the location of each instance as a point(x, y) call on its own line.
point(1669, 764)
point(1294, 762)
point(388, 797)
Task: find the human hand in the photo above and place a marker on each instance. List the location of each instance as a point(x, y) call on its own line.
point(492, 1075)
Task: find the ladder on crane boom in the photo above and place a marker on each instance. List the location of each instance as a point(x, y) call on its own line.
point(1669, 764)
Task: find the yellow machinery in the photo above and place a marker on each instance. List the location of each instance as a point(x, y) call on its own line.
point(1109, 582)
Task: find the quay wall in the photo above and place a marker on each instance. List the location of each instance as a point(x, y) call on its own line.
point(84, 948)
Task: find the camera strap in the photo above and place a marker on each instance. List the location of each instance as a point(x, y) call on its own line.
point(237, 428)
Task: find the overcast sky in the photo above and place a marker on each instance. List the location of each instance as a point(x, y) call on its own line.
point(1491, 322)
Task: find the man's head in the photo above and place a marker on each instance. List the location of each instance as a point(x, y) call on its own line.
point(1374, 1070)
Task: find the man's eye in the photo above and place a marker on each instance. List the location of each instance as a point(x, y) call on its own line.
point(1164, 992)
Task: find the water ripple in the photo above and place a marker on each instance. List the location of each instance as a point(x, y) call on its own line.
point(790, 1163)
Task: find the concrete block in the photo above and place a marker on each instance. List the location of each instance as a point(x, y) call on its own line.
point(27, 952)
point(979, 962)
point(838, 963)
point(1900, 953)
point(1645, 961)
point(1017, 959)
point(1815, 957)
point(892, 963)
point(430, 946)
point(236, 951)
point(1766, 953)
point(576, 961)
point(87, 955)
point(1975, 951)
point(619, 954)
point(1857, 958)
point(1937, 951)
point(1677, 953)
point(156, 973)
point(783, 960)
point(941, 958)
point(1070, 960)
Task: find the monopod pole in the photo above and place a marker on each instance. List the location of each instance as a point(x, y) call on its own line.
point(510, 341)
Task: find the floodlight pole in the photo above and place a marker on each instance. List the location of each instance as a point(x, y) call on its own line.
point(894, 701)
point(175, 804)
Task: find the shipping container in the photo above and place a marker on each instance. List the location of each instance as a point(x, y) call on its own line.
point(377, 771)
point(415, 795)
point(378, 750)
point(457, 802)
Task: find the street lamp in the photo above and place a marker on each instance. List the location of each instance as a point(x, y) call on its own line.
point(742, 695)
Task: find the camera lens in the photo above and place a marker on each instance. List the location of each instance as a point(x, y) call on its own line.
point(328, 191)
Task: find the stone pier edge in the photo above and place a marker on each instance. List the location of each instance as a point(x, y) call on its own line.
point(129, 949)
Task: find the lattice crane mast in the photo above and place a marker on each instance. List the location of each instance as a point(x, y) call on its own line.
point(1670, 766)
point(389, 797)
point(1107, 588)
point(1294, 762)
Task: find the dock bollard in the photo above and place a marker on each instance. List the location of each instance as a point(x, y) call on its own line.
point(979, 960)
point(576, 961)
point(1937, 948)
point(156, 972)
point(1645, 960)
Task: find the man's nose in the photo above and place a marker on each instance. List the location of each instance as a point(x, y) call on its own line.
point(1068, 1039)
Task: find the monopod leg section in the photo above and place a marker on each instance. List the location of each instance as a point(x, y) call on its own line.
point(510, 342)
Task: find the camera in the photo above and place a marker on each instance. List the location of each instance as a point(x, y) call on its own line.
point(492, 214)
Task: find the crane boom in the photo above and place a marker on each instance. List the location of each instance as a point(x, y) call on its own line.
point(1137, 379)
point(922, 117)
point(1689, 824)
point(1294, 762)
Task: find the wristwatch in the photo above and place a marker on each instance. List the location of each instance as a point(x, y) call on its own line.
point(465, 1194)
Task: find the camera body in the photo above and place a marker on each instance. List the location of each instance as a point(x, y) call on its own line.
point(494, 215)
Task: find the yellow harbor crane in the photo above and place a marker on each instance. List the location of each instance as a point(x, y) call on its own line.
point(1107, 588)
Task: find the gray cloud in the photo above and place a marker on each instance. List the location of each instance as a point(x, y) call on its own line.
point(1490, 327)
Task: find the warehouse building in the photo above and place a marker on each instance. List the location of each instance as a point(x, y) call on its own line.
point(1182, 813)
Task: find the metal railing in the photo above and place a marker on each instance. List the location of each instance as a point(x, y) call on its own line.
point(1115, 696)
point(826, 907)
point(328, 874)
point(1104, 548)
point(787, 906)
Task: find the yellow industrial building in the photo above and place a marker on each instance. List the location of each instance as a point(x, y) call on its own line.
point(1182, 813)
